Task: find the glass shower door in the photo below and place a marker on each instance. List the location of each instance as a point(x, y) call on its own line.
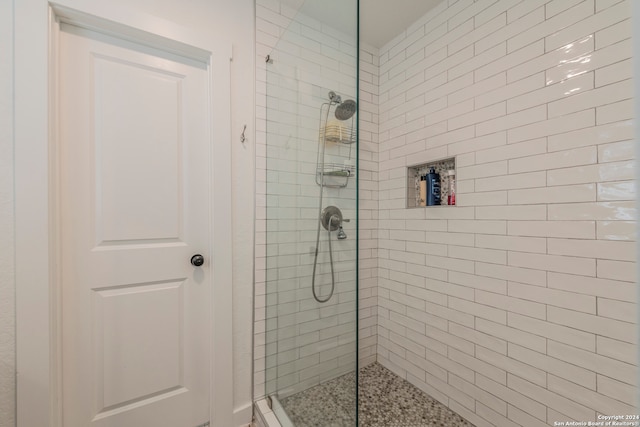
point(311, 214)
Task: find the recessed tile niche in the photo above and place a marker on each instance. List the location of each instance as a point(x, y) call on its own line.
point(414, 173)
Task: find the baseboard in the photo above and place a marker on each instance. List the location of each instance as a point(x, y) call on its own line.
point(258, 416)
point(242, 416)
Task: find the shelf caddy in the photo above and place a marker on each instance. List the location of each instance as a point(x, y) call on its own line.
point(335, 175)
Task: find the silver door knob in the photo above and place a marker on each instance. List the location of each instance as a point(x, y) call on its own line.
point(197, 260)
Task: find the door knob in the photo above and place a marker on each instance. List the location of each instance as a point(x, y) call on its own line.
point(197, 260)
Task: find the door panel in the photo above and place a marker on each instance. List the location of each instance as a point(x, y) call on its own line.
point(135, 200)
point(141, 355)
point(138, 113)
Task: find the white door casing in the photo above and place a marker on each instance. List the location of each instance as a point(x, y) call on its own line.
point(134, 198)
point(38, 276)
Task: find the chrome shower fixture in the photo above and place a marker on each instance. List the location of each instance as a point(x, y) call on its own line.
point(334, 97)
point(341, 234)
point(331, 218)
point(346, 110)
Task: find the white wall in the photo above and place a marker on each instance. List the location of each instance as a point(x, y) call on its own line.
point(233, 23)
point(518, 306)
point(7, 282)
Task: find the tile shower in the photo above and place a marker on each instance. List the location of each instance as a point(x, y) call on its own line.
point(518, 305)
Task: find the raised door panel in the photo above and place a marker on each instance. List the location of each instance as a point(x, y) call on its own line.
point(138, 152)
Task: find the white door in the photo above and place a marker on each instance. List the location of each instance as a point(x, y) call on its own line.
point(134, 138)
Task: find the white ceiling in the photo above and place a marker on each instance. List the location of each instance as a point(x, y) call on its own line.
point(380, 20)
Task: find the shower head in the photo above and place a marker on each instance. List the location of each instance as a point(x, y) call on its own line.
point(346, 109)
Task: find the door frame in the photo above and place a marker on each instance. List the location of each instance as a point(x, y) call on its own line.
point(38, 348)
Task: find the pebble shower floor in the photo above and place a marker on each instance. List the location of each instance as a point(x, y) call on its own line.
point(386, 400)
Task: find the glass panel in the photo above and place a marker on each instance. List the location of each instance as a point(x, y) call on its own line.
point(311, 327)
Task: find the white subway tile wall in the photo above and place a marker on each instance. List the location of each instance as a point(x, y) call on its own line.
point(518, 306)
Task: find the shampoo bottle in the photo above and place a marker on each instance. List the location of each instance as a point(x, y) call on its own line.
point(433, 188)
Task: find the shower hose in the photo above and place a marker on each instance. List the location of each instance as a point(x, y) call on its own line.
point(315, 263)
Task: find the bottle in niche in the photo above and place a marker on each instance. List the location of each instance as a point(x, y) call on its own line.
point(451, 197)
point(433, 187)
point(423, 191)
